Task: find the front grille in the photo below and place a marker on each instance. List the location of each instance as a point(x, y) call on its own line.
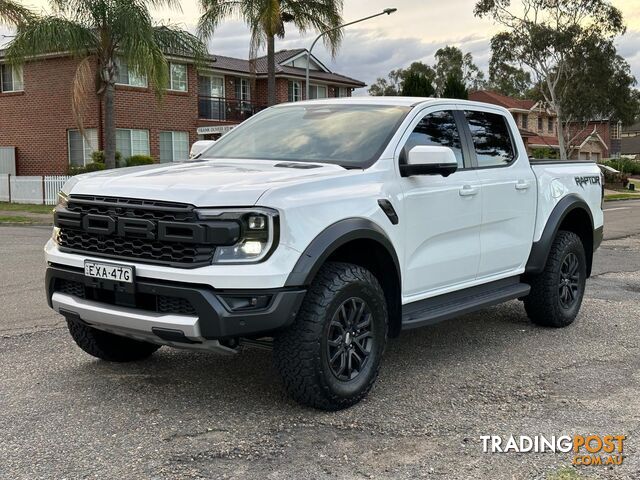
point(143, 301)
point(70, 287)
point(176, 305)
point(173, 253)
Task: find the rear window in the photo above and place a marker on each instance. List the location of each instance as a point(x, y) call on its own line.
point(491, 139)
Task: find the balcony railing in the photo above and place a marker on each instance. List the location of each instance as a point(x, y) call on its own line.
point(226, 109)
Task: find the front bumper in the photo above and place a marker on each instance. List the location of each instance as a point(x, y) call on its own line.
point(167, 312)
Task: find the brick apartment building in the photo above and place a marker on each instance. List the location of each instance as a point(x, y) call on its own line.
point(594, 140)
point(38, 127)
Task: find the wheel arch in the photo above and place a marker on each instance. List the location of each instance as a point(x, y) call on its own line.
point(571, 214)
point(362, 242)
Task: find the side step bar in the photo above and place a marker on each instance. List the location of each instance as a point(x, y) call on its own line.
point(454, 304)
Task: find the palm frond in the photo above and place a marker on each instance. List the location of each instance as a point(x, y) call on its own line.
point(51, 34)
point(14, 14)
point(83, 82)
point(319, 15)
point(175, 41)
point(215, 11)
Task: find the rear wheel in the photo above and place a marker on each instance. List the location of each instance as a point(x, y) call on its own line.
point(107, 346)
point(330, 357)
point(556, 294)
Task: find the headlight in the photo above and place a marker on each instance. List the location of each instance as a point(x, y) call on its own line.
point(258, 234)
point(63, 202)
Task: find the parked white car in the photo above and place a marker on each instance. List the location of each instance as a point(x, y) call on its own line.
point(200, 146)
point(321, 229)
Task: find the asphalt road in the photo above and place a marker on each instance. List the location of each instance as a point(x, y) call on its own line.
point(197, 415)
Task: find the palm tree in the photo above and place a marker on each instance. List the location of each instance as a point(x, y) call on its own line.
point(12, 13)
point(267, 19)
point(97, 32)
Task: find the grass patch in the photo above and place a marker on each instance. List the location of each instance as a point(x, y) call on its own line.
point(621, 196)
point(18, 207)
point(15, 219)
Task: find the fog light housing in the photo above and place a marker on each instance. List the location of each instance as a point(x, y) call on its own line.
point(243, 303)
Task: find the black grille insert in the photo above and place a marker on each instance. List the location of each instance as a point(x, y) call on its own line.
point(143, 301)
point(102, 239)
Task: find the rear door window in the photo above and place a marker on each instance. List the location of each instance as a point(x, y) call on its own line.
point(491, 139)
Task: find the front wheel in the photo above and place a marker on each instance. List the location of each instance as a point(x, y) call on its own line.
point(330, 357)
point(556, 293)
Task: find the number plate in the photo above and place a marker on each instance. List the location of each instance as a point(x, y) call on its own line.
point(108, 271)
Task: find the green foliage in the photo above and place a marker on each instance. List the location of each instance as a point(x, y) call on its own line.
point(624, 165)
point(98, 157)
point(89, 167)
point(450, 61)
point(137, 160)
point(12, 13)
point(454, 87)
point(544, 152)
point(504, 77)
point(417, 85)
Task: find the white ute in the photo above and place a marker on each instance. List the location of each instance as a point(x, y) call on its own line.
point(319, 229)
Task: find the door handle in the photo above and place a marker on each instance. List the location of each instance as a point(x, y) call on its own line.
point(468, 191)
point(522, 185)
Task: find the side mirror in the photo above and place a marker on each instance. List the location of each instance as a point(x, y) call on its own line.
point(429, 160)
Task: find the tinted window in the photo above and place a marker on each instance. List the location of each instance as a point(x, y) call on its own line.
point(491, 139)
point(352, 136)
point(439, 129)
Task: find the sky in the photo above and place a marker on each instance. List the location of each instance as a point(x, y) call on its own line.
point(373, 48)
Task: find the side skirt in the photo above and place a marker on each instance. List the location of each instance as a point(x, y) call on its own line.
point(451, 305)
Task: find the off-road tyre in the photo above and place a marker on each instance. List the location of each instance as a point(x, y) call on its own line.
point(548, 304)
point(107, 346)
point(301, 353)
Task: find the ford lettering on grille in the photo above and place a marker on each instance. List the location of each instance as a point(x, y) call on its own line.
point(153, 232)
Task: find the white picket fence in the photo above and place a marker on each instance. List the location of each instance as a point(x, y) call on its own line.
point(42, 190)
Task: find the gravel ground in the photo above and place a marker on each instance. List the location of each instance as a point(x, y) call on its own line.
point(196, 415)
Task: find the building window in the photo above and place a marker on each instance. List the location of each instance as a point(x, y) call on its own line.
point(317, 91)
point(81, 148)
point(342, 92)
point(243, 89)
point(178, 77)
point(295, 91)
point(525, 120)
point(132, 142)
point(540, 124)
point(174, 146)
point(550, 125)
point(11, 78)
point(127, 76)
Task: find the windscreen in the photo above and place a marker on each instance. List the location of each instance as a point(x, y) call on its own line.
point(352, 136)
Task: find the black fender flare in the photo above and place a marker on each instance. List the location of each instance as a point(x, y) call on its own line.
point(540, 249)
point(332, 238)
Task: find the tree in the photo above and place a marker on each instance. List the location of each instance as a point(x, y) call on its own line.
point(417, 85)
point(505, 78)
point(454, 87)
point(547, 38)
point(97, 32)
point(12, 13)
point(451, 61)
point(267, 19)
point(393, 84)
